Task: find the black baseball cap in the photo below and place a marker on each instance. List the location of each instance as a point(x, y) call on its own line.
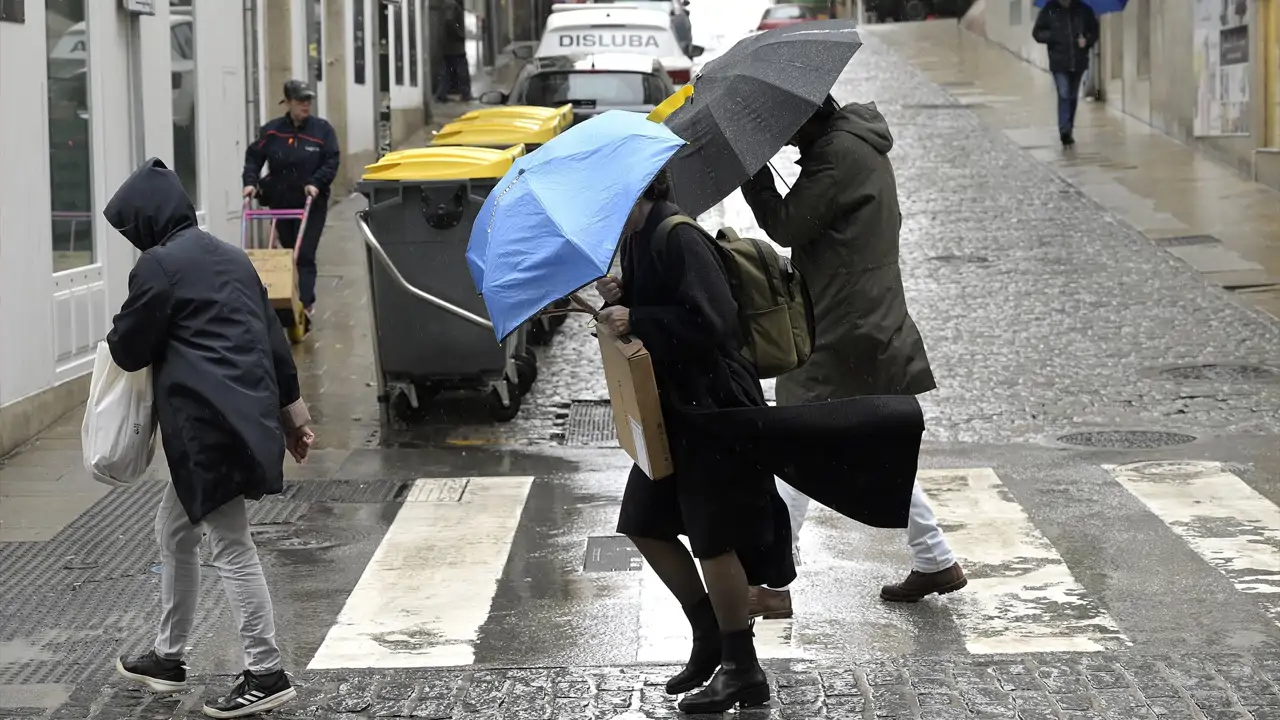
point(297, 90)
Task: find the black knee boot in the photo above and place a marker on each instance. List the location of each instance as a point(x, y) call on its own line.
point(705, 657)
point(740, 680)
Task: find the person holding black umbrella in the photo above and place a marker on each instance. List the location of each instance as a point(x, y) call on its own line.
point(841, 220)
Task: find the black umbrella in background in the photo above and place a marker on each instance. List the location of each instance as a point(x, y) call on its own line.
point(749, 102)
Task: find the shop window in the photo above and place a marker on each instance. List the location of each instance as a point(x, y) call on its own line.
point(70, 122)
point(397, 27)
point(413, 42)
point(183, 77)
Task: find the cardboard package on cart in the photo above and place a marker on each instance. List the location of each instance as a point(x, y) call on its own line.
point(278, 272)
point(633, 396)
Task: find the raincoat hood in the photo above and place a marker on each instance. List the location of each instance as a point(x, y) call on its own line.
point(865, 122)
point(150, 206)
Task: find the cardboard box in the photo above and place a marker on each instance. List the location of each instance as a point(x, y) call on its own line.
point(280, 275)
point(633, 395)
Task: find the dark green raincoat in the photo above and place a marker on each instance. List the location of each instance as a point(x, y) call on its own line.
point(841, 221)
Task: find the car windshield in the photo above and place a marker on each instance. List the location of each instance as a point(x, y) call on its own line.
point(614, 89)
point(786, 12)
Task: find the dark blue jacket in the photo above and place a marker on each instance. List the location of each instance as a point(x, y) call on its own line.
point(296, 156)
point(1059, 27)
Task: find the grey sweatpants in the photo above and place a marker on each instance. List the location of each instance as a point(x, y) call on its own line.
point(236, 558)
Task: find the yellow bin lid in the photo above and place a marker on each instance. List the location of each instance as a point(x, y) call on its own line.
point(563, 114)
point(497, 132)
point(444, 163)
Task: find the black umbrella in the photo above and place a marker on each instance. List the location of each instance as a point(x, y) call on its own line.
point(749, 102)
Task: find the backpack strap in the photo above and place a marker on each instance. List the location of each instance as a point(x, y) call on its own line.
point(665, 228)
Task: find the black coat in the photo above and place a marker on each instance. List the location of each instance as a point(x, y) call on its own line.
point(857, 456)
point(1059, 27)
point(453, 30)
point(296, 156)
point(199, 316)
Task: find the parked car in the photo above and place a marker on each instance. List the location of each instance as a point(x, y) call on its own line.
point(678, 10)
point(590, 29)
point(776, 16)
point(591, 83)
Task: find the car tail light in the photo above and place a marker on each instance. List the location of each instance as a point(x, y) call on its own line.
point(679, 77)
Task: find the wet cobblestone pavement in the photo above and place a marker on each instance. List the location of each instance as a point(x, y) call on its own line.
point(1042, 314)
point(1212, 687)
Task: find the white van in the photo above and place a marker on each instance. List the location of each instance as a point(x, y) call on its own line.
point(589, 29)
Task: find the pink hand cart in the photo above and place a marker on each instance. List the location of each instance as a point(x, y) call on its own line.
point(277, 266)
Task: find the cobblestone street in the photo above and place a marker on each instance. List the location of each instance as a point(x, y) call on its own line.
point(1044, 314)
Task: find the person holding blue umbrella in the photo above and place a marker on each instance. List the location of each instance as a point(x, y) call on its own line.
point(1068, 29)
point(553, 225)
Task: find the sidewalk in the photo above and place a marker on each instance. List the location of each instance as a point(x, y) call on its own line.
point(43, 486)
point(1198, 209)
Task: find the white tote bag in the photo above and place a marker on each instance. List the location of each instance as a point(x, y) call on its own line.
point(118, 436)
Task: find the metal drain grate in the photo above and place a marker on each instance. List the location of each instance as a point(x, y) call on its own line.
point(590, 422)
point(964, 258)
point(1126, 439)
point(611, 553)
point(1186, 241)
point(1225, 372)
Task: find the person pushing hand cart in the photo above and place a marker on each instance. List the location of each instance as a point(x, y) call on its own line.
point(300, 152)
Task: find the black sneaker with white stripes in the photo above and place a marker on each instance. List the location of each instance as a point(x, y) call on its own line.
point(156, 673)
point(252, 694)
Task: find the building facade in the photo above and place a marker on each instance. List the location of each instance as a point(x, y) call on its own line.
point(1206, 72)
point(90, 88)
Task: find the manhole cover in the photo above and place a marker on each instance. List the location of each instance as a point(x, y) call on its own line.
point(1226, 372)
point(1126, 439)
point(590, 422)
point(971, 259)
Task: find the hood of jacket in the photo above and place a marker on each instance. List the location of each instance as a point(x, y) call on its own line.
point(865, 122)
point(150, 206)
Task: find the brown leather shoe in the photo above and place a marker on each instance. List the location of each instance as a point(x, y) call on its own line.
point(918, 585)
point(769, 604)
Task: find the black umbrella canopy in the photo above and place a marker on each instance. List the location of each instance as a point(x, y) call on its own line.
point(749, 102)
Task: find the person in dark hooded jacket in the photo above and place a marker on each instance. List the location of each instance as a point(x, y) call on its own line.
point(841, 220)
point(229, 404)
point(1068, 29)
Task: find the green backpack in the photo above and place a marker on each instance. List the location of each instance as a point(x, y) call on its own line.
point(774, 307)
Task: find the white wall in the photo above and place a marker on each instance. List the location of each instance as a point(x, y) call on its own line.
point(50, 323)
point(361, 135)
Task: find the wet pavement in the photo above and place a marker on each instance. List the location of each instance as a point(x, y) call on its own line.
point(460, 569)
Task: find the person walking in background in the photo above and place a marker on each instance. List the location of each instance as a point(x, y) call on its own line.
point(301, 154)
point(841, 220)
point(1068, 29)
point(229, 405)
point(455, 75)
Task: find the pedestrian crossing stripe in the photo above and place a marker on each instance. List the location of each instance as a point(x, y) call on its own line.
point(425, 594)
point(1231, 526)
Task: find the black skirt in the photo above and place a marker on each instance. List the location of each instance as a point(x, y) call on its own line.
point(721, 503)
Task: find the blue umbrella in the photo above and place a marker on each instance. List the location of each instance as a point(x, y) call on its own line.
point(1100, 7)
point(552, 224)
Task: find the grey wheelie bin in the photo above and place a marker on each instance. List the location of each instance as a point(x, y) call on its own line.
point(433, 334)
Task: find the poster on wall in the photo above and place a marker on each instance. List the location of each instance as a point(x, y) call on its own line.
point(1222, 67)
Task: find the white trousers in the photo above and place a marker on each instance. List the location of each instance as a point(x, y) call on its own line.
point(929, 549)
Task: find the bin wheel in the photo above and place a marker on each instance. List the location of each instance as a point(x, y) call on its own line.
point(916, 10)
point(497, 411)
point(540, 332)
point(403, 411)
point(526, 371)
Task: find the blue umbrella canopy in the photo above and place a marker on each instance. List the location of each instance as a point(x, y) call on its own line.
point(1100, 7)
point(552, 224)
